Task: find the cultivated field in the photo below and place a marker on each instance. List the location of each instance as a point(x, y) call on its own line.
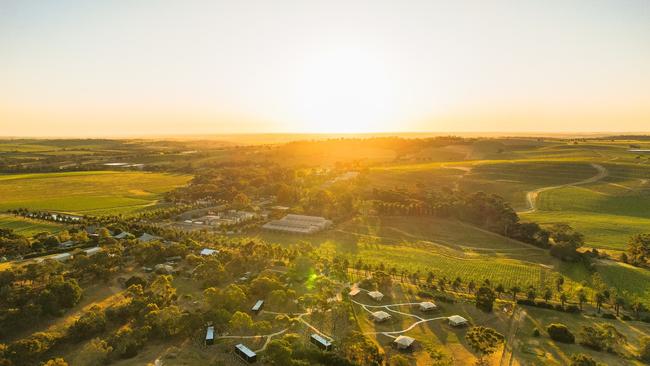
point(93, 193)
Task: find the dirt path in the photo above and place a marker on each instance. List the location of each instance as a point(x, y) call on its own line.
point(507, 358)
point(531, 197)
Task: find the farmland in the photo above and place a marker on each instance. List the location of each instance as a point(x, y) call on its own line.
point(92, 193)
point(27, 227)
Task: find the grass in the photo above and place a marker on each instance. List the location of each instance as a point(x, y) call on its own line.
point(27, 227)
point(95, 193)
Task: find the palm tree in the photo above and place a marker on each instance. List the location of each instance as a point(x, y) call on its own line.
point(600, 298)
point(499, 290)
point(618, 303)
point(548, 294)
point(471, 286)
point(582, 298)
point(563, 298)
point(531, 294)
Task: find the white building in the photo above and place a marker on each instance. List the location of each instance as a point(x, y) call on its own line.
point(208, 251)
point(92, 251)
point(376, 295)
point(299, 224)
point(354, 292)
point(457, 321)
point(427, 306)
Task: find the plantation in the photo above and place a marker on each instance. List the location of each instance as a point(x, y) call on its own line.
point(93, 193)
point(27, 227)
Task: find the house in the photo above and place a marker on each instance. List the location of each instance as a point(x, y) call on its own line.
point(457, 321)
point(163, 269)
point(321, 342)
point(376, 295)
point(67, 244)
point(174, 259)
point(403, 342)
point(427, 306)
point(380, 316)
point(245, 353)
point(298, 224)
point(145, 238)
point(209, 336)
point(258, 306)
point(62, 257)
point(208, 252)
point(354, 292)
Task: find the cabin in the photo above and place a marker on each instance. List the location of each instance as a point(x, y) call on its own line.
point(67, 244)
point(403, 342)
point(123, 235)
point(258, 306)
point(62, 257)
point(321, 342)
point(427, 306)
point(354, 292)
point(245, 353)
point(92, 251)
point(380, 316)
point(145, 238)
point(376, 295)
point(457, 321)
point(209, 336)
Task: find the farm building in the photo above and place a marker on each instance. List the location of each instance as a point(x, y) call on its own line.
point(92, 251)
point(427, 306)
point(403, 342)
point(380, 316)
point(258, 306)
point(354, 292)
point(376, 295)
point(457, 321)
point(245, 353)
point(320, 342)
point(145, 238)
point(298, 224)
point(67, 244)
point(62, 257)
point(208, 251)
point(209, 336)
point(123, 235)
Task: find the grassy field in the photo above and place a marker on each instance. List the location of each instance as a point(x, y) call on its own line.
point(95, 193)
point(27, 227)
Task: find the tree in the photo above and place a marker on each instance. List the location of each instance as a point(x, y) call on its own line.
point(560, 333)
point(499, 289)
point(56, 362)
point(531, 294)
point(484, 340)
point(563, 298)
point(514, 290)
point(89, 324)
point(161, 291)
point(241, 201)
point(94, 353)
point(601, 337)
point(638, 249)
point(399, 360)
point(644, 349)
point(241, 322)
point(599, 299)
point(485, 298)
point(582, 298)
point(548, 294)
point(278, 352)
point(582, 360)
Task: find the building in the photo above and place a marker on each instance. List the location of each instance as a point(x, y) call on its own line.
point(376, 295)
point(245, 353)
point(208, 251)
point(298, 224)
point(62, 257)
point(145, 238)
point(258, 306)
point(321, 342)
point(209, 336)
point(123, 235)
point(403, 342)
point(67, 244)
point(427, 306)
point(457, 321)
point(92, 251)
point(380, 316)
point(354, 292)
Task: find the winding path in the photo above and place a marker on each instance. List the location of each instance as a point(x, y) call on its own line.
point(531, 197)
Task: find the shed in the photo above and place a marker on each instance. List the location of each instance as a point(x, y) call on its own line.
point(245, 353)
point(354, 291)
point(258, 306)
point(403, 342)
point(145, 238)
point(320, 342)
point(123, 235)
point(92, 251)
point(376, 295)
point(457, 321)
point(62, 257)
point(427, 306)
point(209, 336)
point(380, 316)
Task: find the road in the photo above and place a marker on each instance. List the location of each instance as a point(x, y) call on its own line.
point(531, 197)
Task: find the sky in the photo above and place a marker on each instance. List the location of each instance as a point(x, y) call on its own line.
point(157, 67)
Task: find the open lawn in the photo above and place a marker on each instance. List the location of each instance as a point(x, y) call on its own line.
point(94, 193)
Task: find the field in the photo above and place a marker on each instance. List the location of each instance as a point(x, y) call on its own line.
point(27, 227)
point(93, 193)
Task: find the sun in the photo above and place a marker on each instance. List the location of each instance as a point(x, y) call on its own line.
point(344, 90)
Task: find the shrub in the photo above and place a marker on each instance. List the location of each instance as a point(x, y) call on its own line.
point(608, 316)
point(625, 317)
point(572, 309)
point(536, 333)
point(526, 302)
point(560, 333)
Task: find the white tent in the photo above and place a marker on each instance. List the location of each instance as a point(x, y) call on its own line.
point(380, 316)
point(208, 251)
point(427, 306)
point(376, 295)
point(403, 342)
point(457, 320)
point(354, 292)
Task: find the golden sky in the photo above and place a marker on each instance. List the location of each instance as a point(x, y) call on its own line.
point(154, 67)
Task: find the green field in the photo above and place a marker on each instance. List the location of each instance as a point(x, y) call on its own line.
point(27, 227)
point(94, 193)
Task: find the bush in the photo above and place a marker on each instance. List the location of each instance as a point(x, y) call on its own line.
point(572, 309)
point(536, 333)
point(608, 316)
point(426, 295)
point(526, 302)
point(443, 298)
point(559, 307)
point(560, 333)
point(544, 305)
point(625, 317)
